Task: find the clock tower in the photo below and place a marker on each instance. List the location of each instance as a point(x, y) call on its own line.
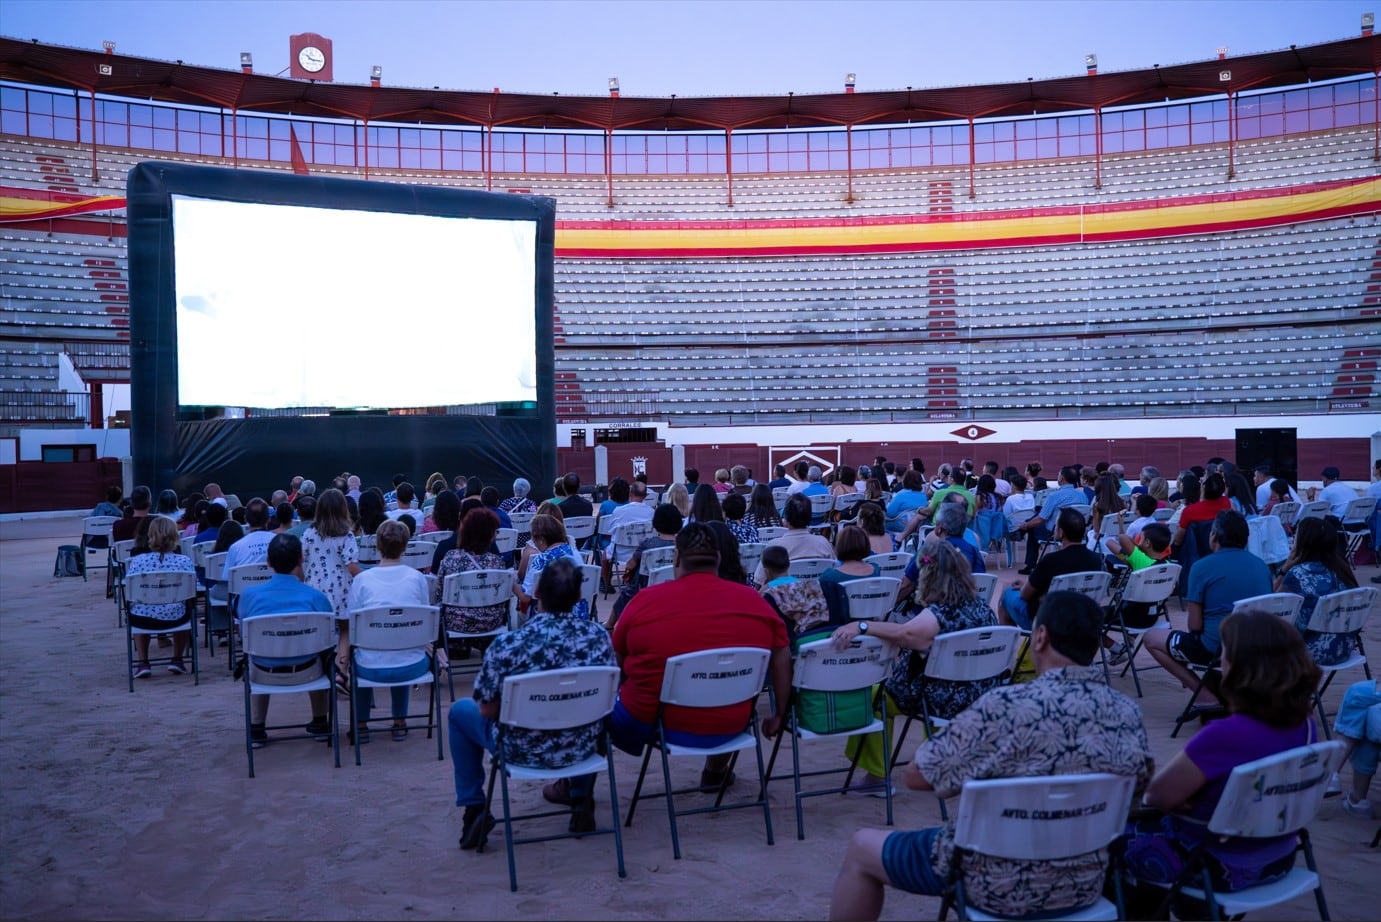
point(310, 57)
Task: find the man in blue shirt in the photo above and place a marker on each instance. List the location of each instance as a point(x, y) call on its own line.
point(284, 593)
point(1216, 583)
point(1068, 494)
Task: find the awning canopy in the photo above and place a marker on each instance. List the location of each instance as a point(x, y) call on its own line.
point(175, 82)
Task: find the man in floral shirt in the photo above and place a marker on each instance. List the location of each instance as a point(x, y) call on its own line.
point(551, 639)
point(1065, 722)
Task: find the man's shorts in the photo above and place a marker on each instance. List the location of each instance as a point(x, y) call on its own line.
point(1188, 647)
point(906, 857)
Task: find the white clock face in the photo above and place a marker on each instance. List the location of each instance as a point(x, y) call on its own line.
point(311, 58)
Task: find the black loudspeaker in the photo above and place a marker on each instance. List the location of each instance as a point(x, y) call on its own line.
point(1275, 447)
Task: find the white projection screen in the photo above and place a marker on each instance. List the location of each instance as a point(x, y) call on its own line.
point(330, 308)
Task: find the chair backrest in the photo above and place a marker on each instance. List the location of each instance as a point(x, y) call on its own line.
point(1359, 510)
point(589, 586)
point(807, 567)
point(749, 553)
point(1044, 818)
point(1163, 515)
point(1111, 526)
point(419, 554)
point(986, 583)
point(1092, 583)
point(1152, 584)
point(435, 537)
point(579, 527)
point(779, 495)
point(185, 544)
point(820, 503)
point(1284, 604)
point(1083, 509)
point(846, 501)
point(769, 533)
point(246, 575)
point(1276, 795)
point(368, 549)
point(98, 526)
point(394, 627)
point(199, 552)
point(864, 663)
point(160, 588)
point(1344, 612)
point(627, 537)
point(872, 598)
point(521, 520)
point(1312, 510)
point(714, 678)
point(652, 498)
point(604, 526)
point(893, 564)
point(557, 699)
point(1019, 517)
point(659, 575)
point(214, 566)
point(654, 558)
point(477, 588)
point(506, 540)
point(1286, 512)
point(120, 550)
point(288, 635)
point(1266, 538)
point(974, 654)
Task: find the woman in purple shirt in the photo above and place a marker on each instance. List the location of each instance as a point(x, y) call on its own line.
point(1268, 683)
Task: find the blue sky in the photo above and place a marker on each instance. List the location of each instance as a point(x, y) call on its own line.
point(705, 47)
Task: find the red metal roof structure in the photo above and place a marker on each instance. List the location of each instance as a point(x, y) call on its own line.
point(175, 82)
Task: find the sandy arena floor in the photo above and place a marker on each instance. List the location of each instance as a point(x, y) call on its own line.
point(123, 806)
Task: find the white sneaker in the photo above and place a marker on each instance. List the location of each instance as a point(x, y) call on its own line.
point(1360, 808)
point(1334, 786)
point(1117, 654)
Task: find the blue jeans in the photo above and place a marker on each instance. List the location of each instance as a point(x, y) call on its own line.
point(1034, 537)
point(1016, 608)
point(1359, 718)
point(630, 734)
point(364, 697)
point(472, 735)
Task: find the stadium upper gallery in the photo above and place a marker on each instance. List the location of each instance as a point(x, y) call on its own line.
point(1152, 264)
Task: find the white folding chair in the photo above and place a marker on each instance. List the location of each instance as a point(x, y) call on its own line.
point(1091, 583)
point(96, 538)
point(435, 537)
point(1286, 512)
point(477, 589)
point(819, 667)
point(368, 548)
point(659, 575)
point(845, 502)
point(521, 521)
point(779, 496)
point(1315, 509)
point(1266, 539)
point(558, 699)
point(893, 564)
point(1015, 537)
point(1163, 515)
point(289, 636)
point(419, 554)
point(579, 530)
point(119, 559)
point(714, 678)
point(623, 541)
point(1356, 523)
point(506, 540)
point(589, 586)
point(986, 584)
point(238, 579)
point(821, 505)
point(1281, 604)
point(1151, 587)
point(1344, 612)
point(809, 567)
point(654, 559)
point(1038, 819)
point(769, 533)
point(872, 598)
point(1270, 797)
point(161, 589)
point(978, 654)
point(396, 627)
point(749, 554)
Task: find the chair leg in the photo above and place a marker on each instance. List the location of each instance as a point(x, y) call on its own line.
point(249, 742)
point(129, 650)
point(508, 832)
point(333, 708)
point(901, 739)
point(434, 711)
point(762, 775)
point(671, 802)
point(637, 789)
point(796, 782)
point(1184, 716)
point(614, 806)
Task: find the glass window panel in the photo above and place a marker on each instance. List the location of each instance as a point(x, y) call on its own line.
point(1176, 115)
point(164, 118)
point(64, 106)
point(1134, 120)
point(408, 137)
point(983, 131)
point(409, 158)
point(1005, 131)
point(1272, 126)
point(430, 139)
point(1320, 96)
point(211, 123)
point(1046, 148)
point(1155, 118)
point(656, 144)
point(797, 141)
point(141, 138)
point(1296, 100)
point(40, 126)
point(278, 129)
point(1201, 132)
point(164, 139)
point(1157, 138)
point(254, 149)
point(1345, 92)
point(983, 153)
point(1321, 119)
point(452, 140)
point(838, 160)
point(141, 116)
point(345, 134)
point(281, 151)
point(1026, 130)
point(1178, 136)
point(942, 155)
point(473, 161)
point(40, 103)
point(754, 143)
point(1069, 147)
point(64, 129)
point(386, 157)
point(1112, 142)
point(11, 98)
point(1046, 127)
point(1345, 116)
point(431, 158)
point(796, 161)
point(113, 135)
point(553, 163)
point(1296, 122)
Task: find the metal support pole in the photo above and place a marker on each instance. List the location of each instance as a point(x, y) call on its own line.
point(1098, 147)
point(849, 161)
point(609, 164)
point(972, 148)
point(95, 173)
point(728, 165)
point(1232, 134)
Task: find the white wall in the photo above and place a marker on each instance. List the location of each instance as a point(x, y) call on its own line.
point(110, 443)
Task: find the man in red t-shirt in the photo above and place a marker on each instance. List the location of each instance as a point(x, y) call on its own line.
point(695, 611)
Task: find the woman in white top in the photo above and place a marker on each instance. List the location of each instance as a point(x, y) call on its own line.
point(389, 583)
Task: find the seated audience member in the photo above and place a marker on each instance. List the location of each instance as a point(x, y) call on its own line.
point(1022, 598)
point(168, 505)
point(1334, 492)
point(666, 522)
point(352, 487)
point(739, 480)
point(949, 602)
point(695, 611)
point(407, 505)
point(1000, 736)
point(800, 472)
point(779, 479)
point(549, 538)
point(194, 517)
point(473, 551)
point(799, 602)
point(519, 502)
point(850, 547)
point(1037, 528)
point(705, 505)
point(111, 504)
point(907, 502)
point(1268, 684)
point(281, 519)
point(954, 490)
point(1145, 505)
point(1150, 546)
point(529, 550)
point(799, 541)
point(1240, 494)
point(1159, 489)
point(389, 583)
point(1019, 500)
point(721, 481)
point(162, 557)
point(1214, 501)
point(1216, 583)
point(254, 546)
point(305, 507)
point(284, 593)
point(762, 508)
point(1278, 491)
point(140, 501)
point(1316, 568)
point(306, 488)
point(435, 484)
point(988, 521)
point(735, 508)
point(872, 519)
point(1106, 502)
point(678, 496)
point(445, 516)
point(574, 504)
point(1358, 725)
point(554, 638)
point(730, 564)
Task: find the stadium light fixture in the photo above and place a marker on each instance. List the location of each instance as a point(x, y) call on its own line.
point(614, 87)
point(849, 81)
point(376, 75)
point(109, 46)
point(1091, 64)
point(1368, 23)
point(1222, 52)
point(246, 62)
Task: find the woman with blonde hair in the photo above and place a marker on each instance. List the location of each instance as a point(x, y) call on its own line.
point(549, 538)
point(435, 484)
point(945, 589)
point(679, 497)
point(162, 557)
point(721, 481)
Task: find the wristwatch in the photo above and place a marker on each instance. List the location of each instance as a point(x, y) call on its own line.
point(863, 627)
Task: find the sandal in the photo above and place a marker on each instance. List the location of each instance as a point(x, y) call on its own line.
point(400, 734)
point(342, 683)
